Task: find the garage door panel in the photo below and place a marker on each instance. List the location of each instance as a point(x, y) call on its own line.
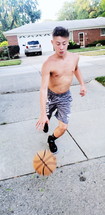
point(44, 40)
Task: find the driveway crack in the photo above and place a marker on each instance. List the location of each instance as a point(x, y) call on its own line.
point(77, 145)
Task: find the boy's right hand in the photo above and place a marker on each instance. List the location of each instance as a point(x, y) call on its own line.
point(41, 122)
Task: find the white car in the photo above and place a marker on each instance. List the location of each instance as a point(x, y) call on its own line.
point(33, 47)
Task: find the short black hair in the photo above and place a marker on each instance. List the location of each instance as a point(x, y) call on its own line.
point(60, 31)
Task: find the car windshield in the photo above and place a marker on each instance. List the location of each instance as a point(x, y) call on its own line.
point(33, 42)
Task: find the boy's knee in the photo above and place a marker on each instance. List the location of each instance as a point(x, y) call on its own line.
point(63, 127)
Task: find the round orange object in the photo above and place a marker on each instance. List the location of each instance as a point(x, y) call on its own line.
point(44, 162)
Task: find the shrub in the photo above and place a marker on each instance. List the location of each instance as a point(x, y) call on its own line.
point(14, 51)
point(102, 42)
point(7, 52)
point(4, 53)
point(4, 43)
point(73, 45)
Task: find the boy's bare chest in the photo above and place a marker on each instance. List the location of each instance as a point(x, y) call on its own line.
point(65, 69)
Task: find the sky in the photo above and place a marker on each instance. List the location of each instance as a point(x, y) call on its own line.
point(50, 8)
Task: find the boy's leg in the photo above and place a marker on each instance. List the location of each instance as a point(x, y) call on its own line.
point(59, 131)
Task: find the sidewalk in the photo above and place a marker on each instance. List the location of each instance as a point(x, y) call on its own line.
point(19, 113)
point(77, 185)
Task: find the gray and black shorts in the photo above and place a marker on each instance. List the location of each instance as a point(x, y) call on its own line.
point(61, 103)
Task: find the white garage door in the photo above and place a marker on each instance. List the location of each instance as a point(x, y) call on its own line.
point(44, 40)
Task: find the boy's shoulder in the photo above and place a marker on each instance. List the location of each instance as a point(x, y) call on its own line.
point(47, 63)
point(49, 59)
point(74, 55)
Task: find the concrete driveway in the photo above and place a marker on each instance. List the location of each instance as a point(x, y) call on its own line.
point(38, 59)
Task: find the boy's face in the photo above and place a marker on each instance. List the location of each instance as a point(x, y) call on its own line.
point(60, 45)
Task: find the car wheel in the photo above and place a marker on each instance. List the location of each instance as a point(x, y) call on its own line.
point(40, 53)
point(27, 55)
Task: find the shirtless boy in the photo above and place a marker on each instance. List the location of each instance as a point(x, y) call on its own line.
point(57, 75)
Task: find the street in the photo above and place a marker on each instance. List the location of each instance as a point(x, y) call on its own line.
point(27, 75)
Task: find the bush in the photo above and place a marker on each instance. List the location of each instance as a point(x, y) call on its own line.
point(73, 45)
point(102, 42)
point(7, 52)
point(14, 51)
point(4, 43)
point(4, 54)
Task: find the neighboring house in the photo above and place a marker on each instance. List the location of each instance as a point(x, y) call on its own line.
point(82, 31)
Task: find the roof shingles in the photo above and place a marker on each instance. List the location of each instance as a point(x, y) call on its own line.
point(49, 26)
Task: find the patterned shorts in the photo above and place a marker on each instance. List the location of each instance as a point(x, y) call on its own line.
point(61, 103)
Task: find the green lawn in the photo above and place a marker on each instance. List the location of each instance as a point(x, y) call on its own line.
point(90, 51)
point(10, 62)
point(101, 80)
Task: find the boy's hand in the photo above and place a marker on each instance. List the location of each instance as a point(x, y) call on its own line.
point(41, 122)
point(83, 90)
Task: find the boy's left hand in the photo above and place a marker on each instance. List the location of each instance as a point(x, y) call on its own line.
point(83, 90)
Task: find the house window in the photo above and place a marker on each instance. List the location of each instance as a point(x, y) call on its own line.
point(102, 31)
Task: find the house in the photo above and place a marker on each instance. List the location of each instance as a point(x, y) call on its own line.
point(82, 31)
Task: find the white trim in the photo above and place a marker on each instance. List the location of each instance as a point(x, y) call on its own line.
point(103, 35)
point(71, 34)
point(83, 38)
point(33, 35)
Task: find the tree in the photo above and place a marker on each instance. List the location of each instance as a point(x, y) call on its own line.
point(80, 9)
point(102, 6)
point(67, 12)
point(14, 13)
point(87, 9)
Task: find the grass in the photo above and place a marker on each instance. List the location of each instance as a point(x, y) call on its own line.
point(10, 62)
point(93, 53)
point(101, 80)
point(90, 51)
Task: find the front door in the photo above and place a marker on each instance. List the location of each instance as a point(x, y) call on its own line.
point(81, 39)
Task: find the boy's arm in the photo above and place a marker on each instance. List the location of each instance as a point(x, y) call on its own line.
point(80, 79)
point(43, 96)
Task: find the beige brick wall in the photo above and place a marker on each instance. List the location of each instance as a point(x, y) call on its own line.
point(12, 40)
